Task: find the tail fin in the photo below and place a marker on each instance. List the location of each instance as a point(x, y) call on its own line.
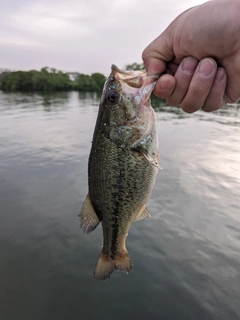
point(106, 265)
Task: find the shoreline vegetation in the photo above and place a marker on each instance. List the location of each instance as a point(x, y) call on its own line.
point(48, 80)
point(51, 79)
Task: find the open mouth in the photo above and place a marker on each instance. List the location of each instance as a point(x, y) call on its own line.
point(131, 77)
point(135, 83)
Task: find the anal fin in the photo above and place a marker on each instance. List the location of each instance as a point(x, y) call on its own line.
point(88, 217)
point(142, 214)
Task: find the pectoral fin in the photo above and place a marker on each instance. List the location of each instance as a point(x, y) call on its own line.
point(88, 217)
point(151, 160)
point(143, 214)
point(148, 157)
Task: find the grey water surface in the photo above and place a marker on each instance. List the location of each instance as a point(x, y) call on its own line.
point(186, 258)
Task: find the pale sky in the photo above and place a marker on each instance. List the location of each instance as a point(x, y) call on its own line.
point(81, 35)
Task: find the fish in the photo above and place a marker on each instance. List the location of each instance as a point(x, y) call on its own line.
point(122, 166)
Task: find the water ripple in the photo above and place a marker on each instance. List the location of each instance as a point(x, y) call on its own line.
point(186, 257)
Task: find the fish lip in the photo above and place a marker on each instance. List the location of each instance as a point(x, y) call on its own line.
point(135, 82)
point(125, 74)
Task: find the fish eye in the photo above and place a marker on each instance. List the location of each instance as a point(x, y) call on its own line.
point(112, 97)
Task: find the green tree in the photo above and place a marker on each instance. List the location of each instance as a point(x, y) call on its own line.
point(135, 66)
point(85, 82)
point(49, 79)
point(99, 80)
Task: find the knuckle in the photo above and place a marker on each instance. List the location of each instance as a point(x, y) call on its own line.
point(213, 106)
point(145, 54)
point(190, 107)
point(231, 99)
point(173, 102)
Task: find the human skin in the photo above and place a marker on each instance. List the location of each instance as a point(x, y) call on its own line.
point(199, 53)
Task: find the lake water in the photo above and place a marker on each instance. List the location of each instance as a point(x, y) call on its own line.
point(186, 258)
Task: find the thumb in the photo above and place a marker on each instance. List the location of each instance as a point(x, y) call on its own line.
point(156, 55)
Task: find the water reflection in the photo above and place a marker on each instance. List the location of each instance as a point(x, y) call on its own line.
point(186, 257)
point(50, 100)
point(230, 110)
point(89, 98)
point(222, 115)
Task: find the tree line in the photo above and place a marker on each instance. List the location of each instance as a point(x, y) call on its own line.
point(47, 80)
point(50, 79)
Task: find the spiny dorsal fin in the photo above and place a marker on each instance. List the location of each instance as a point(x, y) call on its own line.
point(88, 217)
point(142, 214)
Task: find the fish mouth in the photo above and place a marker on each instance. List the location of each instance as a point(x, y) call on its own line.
point(128, 73)
point(134, 78)
point(134, 82)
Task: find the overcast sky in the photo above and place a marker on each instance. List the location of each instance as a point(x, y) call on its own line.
point(81, 35)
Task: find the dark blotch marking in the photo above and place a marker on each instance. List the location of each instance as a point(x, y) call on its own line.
point(118, 196)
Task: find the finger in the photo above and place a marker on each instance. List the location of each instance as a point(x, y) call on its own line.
point(153, 66)
point(164, 86)
point(200, 85)
point(215, 99)
point(183, 78)
point(232, 67)
point(157, 53)
point(171, 68)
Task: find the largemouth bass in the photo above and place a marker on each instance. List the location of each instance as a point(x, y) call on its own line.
point(122, 167)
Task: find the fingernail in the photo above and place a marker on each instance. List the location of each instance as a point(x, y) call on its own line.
point(206, 67)
point(220, 74)
point(188, 65)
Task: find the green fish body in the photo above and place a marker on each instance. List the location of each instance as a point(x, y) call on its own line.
point(123, 165)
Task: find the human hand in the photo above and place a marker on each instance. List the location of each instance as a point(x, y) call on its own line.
point(187, 52)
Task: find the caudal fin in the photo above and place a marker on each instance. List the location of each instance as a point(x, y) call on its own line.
point(106, 265)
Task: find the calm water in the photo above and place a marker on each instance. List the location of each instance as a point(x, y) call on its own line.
point(186, 257)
